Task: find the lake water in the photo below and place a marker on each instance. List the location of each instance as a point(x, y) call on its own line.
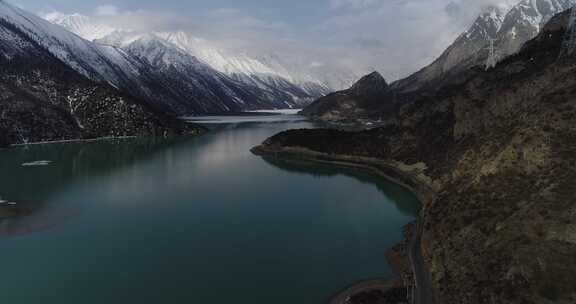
point(197, 220)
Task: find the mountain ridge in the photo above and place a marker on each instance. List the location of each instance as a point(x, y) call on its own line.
point(196, 90)
point(42, 99)
point(270, 73)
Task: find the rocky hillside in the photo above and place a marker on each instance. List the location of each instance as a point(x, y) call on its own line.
point(42, 99)
point(509, 27)
point(362, 98)
point(498, 152)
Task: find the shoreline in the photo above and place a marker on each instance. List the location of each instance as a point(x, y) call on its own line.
point(345, 294)
point(88, 140)
point(66, 141)
point(422, 294)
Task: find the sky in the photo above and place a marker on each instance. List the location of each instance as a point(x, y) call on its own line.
point(394, 37)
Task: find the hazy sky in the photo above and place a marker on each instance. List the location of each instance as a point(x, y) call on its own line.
point(396, 37)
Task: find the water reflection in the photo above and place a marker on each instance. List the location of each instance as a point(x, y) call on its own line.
point(30, 188)
point(68, 163)
point(394, 193)
point(26, 218)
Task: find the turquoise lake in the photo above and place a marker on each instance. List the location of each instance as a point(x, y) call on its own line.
point(191, 220)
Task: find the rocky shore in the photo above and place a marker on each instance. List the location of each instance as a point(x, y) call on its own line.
point(499, 152)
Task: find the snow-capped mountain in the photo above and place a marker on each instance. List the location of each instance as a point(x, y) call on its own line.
point(194, 90)
point(510, 26)
point(524, 21)
point(277, 90)
point(100, 63)
point(460, 54)
point(185, 75)
point(94, 61)
point(43, 99)
point(80, 25)
point(269, 72)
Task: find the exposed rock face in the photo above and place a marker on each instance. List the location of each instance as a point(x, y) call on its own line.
point(42, 99)
point(364, 95)
point(499, 151)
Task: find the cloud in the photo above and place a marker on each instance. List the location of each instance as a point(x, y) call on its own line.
point(141, 20)
point(395, 37)
point(234, 19)
point(106, 10)
point(463, 11)
point(353, 4)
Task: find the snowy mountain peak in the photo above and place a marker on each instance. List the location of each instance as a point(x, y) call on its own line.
point(487, 24)
point(220, 59)
point(81, 25)
point(524, 21)
point(237, 64)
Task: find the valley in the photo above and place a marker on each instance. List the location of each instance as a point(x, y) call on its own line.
point(170, 162)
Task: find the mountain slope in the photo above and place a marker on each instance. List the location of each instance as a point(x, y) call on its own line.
point(498, 155)
point(80, 25)
point(100, 63)
point(131, 74)
point(184, 75)
point(464, 52)
point(42, 99)
point(511, 28)
point(360, 99)
point(274, 86)
point(524, 21)
point(268, 73)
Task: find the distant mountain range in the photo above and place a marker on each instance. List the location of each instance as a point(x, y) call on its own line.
point(67, 77)
point(275, 80)
point(509, 27)
point(174, 72)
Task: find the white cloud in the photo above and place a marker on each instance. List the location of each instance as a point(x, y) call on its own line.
point(354, 4)
point(106, 10)
point(393, 37)
point(463, 11)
